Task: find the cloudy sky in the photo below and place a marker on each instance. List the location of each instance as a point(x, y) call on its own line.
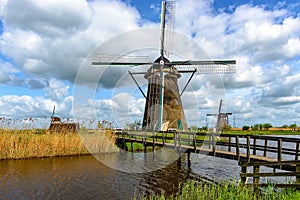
point(44, 46)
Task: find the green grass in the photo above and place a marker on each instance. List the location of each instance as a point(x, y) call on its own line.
point(264, 132)
point(194, 190)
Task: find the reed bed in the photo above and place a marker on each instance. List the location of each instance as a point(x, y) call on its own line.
point(36, 143)
point(195, 190)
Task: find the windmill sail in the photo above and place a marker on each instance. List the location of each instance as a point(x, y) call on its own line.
point(207, 67)
point(169, 27)
point(103, 59)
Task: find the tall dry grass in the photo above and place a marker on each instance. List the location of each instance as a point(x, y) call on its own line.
point(18, 144)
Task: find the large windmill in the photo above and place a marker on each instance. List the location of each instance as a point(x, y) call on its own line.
point(163, 99)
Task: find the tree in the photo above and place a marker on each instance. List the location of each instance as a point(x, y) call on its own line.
point(284, 126)
point(293, 126)
point(255, 127)
point(134, 125)
point(193, 128)
point(246, 128)
point(226, 127)
point(267, 126)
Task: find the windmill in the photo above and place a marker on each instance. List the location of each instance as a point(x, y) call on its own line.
point(163, 100)
point(222, 118)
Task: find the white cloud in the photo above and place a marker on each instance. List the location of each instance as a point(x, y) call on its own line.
point(56, 90)
point(52, 38)
point(48, 41)
point(50, 18)
point(28, 106)
point(292, 48)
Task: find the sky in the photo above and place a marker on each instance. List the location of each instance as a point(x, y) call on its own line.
point(46, 47)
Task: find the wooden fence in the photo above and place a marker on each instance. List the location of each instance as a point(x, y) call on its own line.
point(249, 150)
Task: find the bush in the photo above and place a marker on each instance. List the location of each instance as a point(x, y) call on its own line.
point(246, 128)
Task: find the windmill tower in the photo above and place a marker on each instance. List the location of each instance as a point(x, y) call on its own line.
point(163, 100)
point(222, 118)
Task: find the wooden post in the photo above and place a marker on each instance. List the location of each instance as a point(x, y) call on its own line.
point(163, 138)
point(297, 150)
point(237, 148)
point(255, 171)
point(189, 160)
point(175, 142)
point(189, 139)
point(244, 171)
point(265, 148)
point(213, 144)
point(254, 146)
point(179, 141)
point(145, 147)
point(195, 142)
point(298, 177)
point(131, 143)
point(179, 159)
point(229, 145)
point(279, 149)
point(248, 149)
point(153, 142)
point(124, 142)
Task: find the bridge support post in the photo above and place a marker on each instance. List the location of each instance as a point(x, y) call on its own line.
point(248, 149)
point(297, 151)
point(153, 142)
point(237, 148)
point(243, 171)
point(298, 177)
point(179, 159)
point(131, 143)
point(229, 144)
point(256, 170)
point(265, 147)
point(213, 144)
point(145, 147)
point(189, 160)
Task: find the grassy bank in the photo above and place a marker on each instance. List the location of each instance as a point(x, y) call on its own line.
point(263, 132)
point(203, 191)
point(36, 143)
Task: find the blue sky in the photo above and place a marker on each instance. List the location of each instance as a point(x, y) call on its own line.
point(44, 45)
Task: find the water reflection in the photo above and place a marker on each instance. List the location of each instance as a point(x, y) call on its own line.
point(82, 177)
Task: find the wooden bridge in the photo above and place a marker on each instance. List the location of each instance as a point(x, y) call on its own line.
point(249, 150)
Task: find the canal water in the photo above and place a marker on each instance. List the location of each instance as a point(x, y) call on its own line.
point(121, 175)
point(85, 177)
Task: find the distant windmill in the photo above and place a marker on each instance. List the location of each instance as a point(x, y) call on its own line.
point(163, 102)
point(222, 118)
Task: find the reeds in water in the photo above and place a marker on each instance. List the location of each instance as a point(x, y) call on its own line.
point(35, 143)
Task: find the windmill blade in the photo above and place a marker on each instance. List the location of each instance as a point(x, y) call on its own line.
point(220, 106)
point(169, 27)
point(212, 115)
point(101, 59)
point(207, 67)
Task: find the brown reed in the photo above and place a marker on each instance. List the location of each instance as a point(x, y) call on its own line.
point(35, 143)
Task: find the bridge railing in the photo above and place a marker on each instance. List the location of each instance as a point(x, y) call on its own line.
point(256, 174)
point(244, 146)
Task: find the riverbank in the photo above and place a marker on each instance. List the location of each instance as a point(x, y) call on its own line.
point(36, 143)
point(222, 191)
point(262, 132)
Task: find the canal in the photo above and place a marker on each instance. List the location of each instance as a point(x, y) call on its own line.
point(105, 176)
